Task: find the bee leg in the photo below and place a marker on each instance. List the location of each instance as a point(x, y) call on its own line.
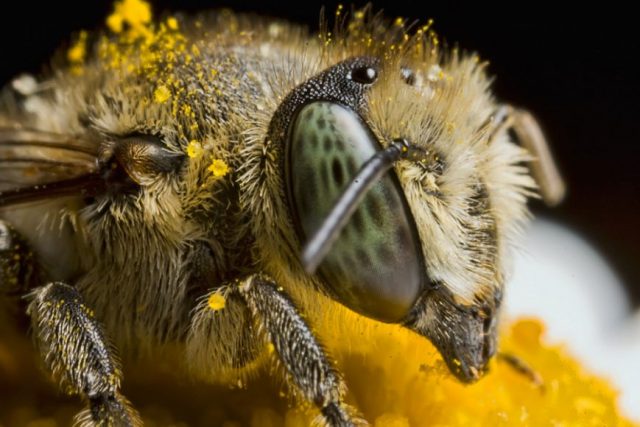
point(520, 366)
point(18, 270)
point(74, 348)
point(297, 348)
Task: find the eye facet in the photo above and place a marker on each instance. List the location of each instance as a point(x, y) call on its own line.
point(143, 157)
point(364, 75)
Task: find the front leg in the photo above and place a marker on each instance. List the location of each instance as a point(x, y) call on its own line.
point(75, 350)
point(296, 346)
point(223, 333)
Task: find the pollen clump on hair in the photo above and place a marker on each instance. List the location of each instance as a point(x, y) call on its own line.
point(77, 53)
point(161, 94)
point(172, 23)
point(194, 149)
point(135, 14)
point(137, 48)
point(218, 168)
point(216, 301)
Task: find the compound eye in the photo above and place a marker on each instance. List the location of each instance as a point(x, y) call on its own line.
point(144, 157)
point(364, 75)
point(375, 265)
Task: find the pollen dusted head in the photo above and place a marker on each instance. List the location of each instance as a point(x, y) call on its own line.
point(463, 200)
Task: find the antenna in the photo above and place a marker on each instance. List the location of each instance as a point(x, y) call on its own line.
point(320, 243)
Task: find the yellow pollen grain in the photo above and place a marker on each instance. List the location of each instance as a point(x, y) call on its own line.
point(78, 50)
point(218, 167)
point(161, 94)
point(172, 23)
point(216, 301)
point(194, 149)
point(114, 22)
point(186, 110)
point(136, 14)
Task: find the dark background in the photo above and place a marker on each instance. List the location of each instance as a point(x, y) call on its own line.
point(575, 69)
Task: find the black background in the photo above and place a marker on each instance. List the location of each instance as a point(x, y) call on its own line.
point(575, 69)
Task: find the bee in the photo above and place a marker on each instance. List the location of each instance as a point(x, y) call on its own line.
point(219, 183)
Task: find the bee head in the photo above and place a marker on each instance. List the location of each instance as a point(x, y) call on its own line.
point(399, 194)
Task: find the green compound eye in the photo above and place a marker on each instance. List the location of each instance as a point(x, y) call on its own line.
point(375, 266)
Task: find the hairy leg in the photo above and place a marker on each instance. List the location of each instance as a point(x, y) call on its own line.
point(522, 367)
point(76, 352)
point(275, 315)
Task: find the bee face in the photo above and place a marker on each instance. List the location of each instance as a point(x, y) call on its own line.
point(431, 226)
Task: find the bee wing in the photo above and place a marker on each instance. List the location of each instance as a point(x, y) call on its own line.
point(35, 164)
